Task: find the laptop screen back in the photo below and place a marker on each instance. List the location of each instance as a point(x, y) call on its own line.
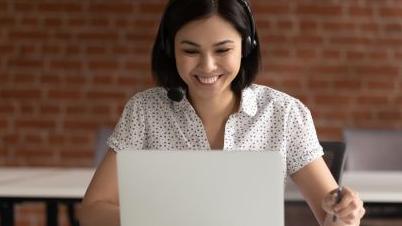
point(200, 188)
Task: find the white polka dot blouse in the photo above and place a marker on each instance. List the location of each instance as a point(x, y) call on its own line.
point(267, 120)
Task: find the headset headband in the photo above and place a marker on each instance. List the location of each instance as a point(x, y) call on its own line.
point(250, 42)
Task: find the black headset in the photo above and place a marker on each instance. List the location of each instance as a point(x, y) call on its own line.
point(249, 43)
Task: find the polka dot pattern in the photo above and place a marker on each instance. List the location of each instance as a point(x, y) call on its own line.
point(268, 120)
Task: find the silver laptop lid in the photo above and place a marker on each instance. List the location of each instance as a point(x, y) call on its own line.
point(200, 188)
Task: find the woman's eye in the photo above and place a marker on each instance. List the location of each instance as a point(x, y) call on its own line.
point(193, 52)
point(222, 50)
point(188, 51)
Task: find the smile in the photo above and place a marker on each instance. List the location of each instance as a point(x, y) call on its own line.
point(208, 80)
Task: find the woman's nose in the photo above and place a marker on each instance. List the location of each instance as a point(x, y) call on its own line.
point(207, 63)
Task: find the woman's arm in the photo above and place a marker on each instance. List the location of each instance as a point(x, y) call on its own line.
point(100, 205)
point(316, 182)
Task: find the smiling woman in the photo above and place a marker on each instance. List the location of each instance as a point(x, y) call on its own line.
point(208, 55)
point(236, 18)
point(208, 59)
point(209, 50)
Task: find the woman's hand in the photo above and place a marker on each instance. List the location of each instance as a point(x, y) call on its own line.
point(349, 210)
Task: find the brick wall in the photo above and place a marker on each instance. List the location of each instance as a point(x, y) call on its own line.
point(67, 67)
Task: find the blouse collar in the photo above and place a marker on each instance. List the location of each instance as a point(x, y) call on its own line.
point(248, 103)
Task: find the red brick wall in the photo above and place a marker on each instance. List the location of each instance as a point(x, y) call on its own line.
point(67, 67)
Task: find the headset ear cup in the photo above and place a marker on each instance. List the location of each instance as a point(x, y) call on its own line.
point(247, 46)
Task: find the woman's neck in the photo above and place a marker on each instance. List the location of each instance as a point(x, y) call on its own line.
point(217, 108)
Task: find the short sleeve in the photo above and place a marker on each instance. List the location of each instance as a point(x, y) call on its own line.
point(130, 129)
point(302, 145)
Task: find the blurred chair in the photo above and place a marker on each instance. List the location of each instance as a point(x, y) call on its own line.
point(100, 150)
point(334, 157)
point(375, 150)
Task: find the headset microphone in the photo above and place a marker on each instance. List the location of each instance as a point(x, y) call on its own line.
point(176, 94)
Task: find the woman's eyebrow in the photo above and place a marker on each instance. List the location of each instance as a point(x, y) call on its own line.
point(197, 45)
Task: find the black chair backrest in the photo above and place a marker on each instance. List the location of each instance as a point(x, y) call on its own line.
point(334, 156)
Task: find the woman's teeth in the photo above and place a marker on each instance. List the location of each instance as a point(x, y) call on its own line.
point(208, 80)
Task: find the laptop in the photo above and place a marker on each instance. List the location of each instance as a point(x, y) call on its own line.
point(200, 188)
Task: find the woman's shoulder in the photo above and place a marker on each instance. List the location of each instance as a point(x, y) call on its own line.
point(268, 95)
point(152, 97)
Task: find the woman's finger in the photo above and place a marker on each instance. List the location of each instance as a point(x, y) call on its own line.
point(348, 196)
point(350, 219)
point(354, 206)
point(329, 201)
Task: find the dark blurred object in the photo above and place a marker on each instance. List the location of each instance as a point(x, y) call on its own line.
point(334, 156)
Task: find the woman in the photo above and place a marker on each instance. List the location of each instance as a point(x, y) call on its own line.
point(205, 57)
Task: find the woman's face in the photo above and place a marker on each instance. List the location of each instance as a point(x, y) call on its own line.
point(208, 56)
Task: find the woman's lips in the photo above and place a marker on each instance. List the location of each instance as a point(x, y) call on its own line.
point(208, 80)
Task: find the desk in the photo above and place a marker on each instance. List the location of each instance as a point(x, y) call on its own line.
point(49, 185)
point(61, 185)
point(373, 187)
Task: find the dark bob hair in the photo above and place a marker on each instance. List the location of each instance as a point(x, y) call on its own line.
point(180, 12)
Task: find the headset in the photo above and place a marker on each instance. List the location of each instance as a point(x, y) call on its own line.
point(249, 43)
